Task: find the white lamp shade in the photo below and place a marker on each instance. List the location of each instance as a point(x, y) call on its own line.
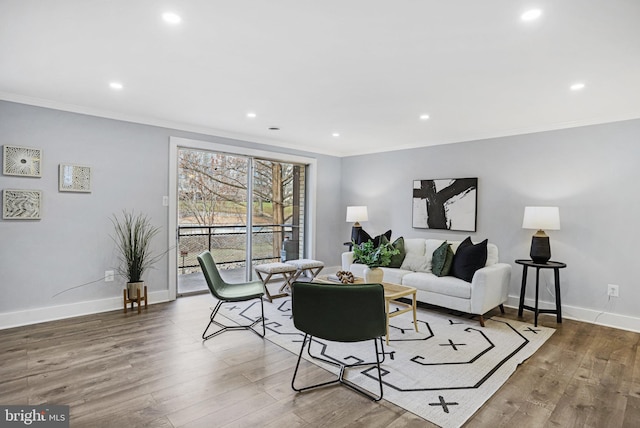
point(541, 218)
point(355, 214)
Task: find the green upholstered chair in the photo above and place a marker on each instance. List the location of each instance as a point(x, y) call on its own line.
point(339, 313)
point(226, 292)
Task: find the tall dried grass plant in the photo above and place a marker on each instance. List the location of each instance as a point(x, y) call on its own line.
point(133, 235)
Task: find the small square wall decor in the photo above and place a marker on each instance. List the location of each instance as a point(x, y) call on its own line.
point(74, 178)
point(449, 204)
point(22, 161)
point(21, 204)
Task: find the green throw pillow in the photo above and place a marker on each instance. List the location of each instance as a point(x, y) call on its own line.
point(396, 261)
point(442, 260)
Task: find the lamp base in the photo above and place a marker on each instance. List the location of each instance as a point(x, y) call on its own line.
point(540, 249)
point(355, 231)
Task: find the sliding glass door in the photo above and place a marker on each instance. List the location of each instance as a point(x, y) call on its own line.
point(243, 209)
point(278, 211)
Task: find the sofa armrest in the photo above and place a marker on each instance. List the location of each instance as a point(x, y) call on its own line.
point(490, 287)
point(347, 260)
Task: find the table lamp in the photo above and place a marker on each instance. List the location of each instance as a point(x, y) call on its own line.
point(541, 218)
point(356, 214)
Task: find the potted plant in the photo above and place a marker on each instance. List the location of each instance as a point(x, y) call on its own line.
point(133, 235)
point(374, 258)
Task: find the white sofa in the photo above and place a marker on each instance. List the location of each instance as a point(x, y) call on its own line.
point(487, 290)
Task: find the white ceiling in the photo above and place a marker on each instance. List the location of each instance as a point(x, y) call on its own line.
point(366, 69)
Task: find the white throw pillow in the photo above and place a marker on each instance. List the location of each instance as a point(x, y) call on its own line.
point(416, 263)
point(492, 254)
point(414, 246)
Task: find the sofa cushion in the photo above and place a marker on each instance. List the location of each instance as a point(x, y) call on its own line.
point(468, 259)
point(398, 244)
point(492, 254)
point(446, 285)
point(442, 259)
point(415, 246)
point(432, 244)
point(416, 259)
point(357, 269)
point(364, 237)
point(416, 263)
point(394, 275)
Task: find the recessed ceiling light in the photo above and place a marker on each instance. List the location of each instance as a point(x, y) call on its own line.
point(171, 18)
point(115, 85)
point(577, 86)
point(251, 115)
point(335, 134)
point(424, 116)
point(531, 15)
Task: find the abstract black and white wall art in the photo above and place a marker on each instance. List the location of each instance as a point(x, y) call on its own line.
point(22, 161)
point(21, 204)
point(74, 178)
point(449, 204)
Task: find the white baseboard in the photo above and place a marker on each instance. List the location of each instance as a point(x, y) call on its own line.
point(604, 318)
point(52, 313)
point(569, 312)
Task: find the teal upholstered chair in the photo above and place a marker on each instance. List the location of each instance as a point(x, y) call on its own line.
point(226, 292)
point(339, 313)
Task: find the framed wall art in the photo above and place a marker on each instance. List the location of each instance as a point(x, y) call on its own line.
point(22, 161)
point(449, 204)
point(74, 178)
point(21, 204)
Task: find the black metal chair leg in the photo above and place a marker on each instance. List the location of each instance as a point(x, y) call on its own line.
point(326, 311)
point(357, 388)
point(242, 292)
point(211, 321)
point(342, 367)
point(304, 341)
point(384, 354)
point(264, 329)
point(224, 328)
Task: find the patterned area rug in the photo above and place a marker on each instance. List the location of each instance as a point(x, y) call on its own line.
point(444, 373)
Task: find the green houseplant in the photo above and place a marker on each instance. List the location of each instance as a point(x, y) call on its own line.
point(374, 257)
point(133, 234)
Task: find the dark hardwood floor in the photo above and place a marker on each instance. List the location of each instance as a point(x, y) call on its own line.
point(152, 369)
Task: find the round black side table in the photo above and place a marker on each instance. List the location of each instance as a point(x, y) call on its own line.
point(556, 266)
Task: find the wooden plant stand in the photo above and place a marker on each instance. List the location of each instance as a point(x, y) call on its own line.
point(138, 299)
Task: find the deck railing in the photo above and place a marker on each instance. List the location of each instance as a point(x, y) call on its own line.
point(228, 244)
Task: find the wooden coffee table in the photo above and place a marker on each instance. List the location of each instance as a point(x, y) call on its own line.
point(392, 292)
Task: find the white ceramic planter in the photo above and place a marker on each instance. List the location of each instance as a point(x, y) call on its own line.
point(132, 288)
point(373, 275)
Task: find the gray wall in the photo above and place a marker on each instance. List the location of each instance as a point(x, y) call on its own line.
point(71, 246)
point(591, 173)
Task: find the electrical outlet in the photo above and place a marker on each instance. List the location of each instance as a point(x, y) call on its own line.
point(612, 290)
point(108, 276)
